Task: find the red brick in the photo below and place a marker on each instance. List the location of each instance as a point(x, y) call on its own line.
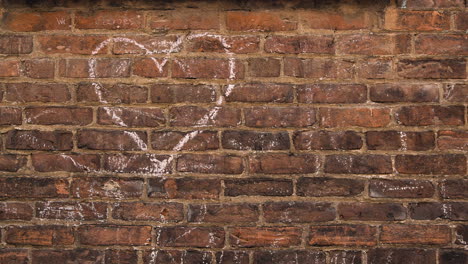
point(10, 116)
point(197, 140)
point(224, 44)
point(251, 140)
point(433, 211)
point(14, 256)
point(184, 188)
point(112, 140)
point(298, 212)
point(336, 19)
point(173, 20)
point(260, 92)
point(372, 44)
point(22, 187)
point(211, 164)
point(284, 163)
point(300, 44)
point(131, 117)
point(456, 92)
point(372, 211)
point(431, 164)
point(332, 93)
point(442, 44)
point(265, 236)
point(107, 187)
point(207, 68)
point(375, 68)
point(182, 93)
point(319, 68)
point(57, 115)
point(397, 19)
point(111, 93)
point(137, 163)
point(39, 140)
point(454, 189)
point(200, 116)
point(290, 256)
point(66, 162)
point(39, 235)
point(152, 44)
point(238, 257)
point(104, 68)
point(150, 67)
point(80, 255)
point(35, 92)
point(358, 164)
point(354, 117)
point(424, 4)
point(36, 21)
point(16, 44)
point(461, 19)
point(342, 235)
point(327, 140)
point(430, 115)
point(184, 256)
point(453, 256)
point(39, 68)
point(220, 213)
point(145, 211)
point(264, 67)
point(184, 236)
point(385, 188)
point(72, 44)
point(9, 68)
point(401, 255)
point(96, 235)
point(415, 234)
point(324, 186)
point(107, 19)
point(270, 116)
point(432, 68)
point(452, 140)
point(400, 140)
point(15, 211)
point(258, 187)
point(11, 162)
point(260, 21)
point(393, 93)
point(74, 211)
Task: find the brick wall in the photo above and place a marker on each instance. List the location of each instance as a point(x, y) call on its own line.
point(326, 132)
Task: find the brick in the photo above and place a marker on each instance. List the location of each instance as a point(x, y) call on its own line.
point(227, 257)
point(260, 21)
point(319, 68)
point(101, 68)
point(10, 116)
point(298, 212)
point(150, 67)
point(111, 140)
point(327, 140)
point(265, 236)
point(260, 92)
point(66, 162)
point(400, 140)
point(207, 68)
point(397, 19)
point(39, 140)
point(251, 140)
point(198, 116)
point(15, 211)
point(107, 19)
point(417, 4)
point(432, 211)
point(343, 257)
point(197, 140)
point(173, 20)
point(264, 67)
point(394, 93)
point(74, 211)
point(14, 256)
point(270, 116)
point(460, 20)
point(182, 93)
point(350, 117)
point(453, 256)
point(342, 235)
point(454, 189)
point(97, 235)
point(284, 163)
point(456, 92)
point(300, 44)
point(36, 21)
point(431, 164)
point(111, 93)
point(182, 236)
point(415, 234)
point(358, 164)
point(336, 19)
point(39, 235)
point(211, 164)
point(325, 186)
point(442, 44)
point(332, 93)
point(224, 44)
point(35, 92)
point(258, 187)
point(221, 213)
point(401, 255)
point(148, 211)
point(22, 187)
point(137, 163)
point(289, 256)
point(9, 68)
point(184, 256)
point(452, 140)
point(372, 44)
point(131, 117)
point(461, 231)
point(16, 44)
point(11, 162)
point(72, 44)
point(80, 255)
point(57, 115)
point(39, 68)
point(431, 69)
point(151, 44)
point(427, 115)
point(383, 188)
point(107, 187)
point(184, 188)
point(372, 211)
point(121, 256)
point(375, 68)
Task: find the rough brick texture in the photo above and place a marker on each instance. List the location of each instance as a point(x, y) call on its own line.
point(233, 132)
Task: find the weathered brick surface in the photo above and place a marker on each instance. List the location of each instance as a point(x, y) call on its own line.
point(233, 132)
